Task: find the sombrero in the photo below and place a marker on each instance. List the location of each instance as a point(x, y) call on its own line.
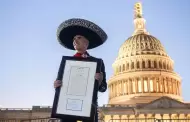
point(72, 27)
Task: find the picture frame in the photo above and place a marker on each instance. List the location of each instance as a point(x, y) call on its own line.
point(74, 99)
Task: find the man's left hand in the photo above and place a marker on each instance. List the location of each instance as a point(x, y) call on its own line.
point(99, 77)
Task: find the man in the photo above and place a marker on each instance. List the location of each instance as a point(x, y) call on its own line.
point(83, 38)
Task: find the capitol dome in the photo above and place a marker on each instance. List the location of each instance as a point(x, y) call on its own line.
point(142, 44)
point(143, 71)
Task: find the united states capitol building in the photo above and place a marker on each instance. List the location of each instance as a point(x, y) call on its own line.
point(144, 86)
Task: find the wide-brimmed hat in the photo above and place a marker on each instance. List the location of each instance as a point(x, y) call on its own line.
point(72, 27)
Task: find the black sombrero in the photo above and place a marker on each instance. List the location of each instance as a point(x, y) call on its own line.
point(72, 27)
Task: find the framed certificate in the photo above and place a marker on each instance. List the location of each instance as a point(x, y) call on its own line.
point(74, 98)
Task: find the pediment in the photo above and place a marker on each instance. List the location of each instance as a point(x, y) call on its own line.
point(165, 102)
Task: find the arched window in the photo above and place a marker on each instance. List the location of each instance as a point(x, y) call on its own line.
point(123, 67)
point(164, 65)
point(149, 64)
point(155, 64)
point(143, 64)
point(160, 64)
point(132, 65)
point(127, 67)
point(138, 66)
point(168, 67)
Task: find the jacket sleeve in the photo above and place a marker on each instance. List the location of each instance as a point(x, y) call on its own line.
point(103, 85)
point(60, 70)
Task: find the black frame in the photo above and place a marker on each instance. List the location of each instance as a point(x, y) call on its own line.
point(57, 92)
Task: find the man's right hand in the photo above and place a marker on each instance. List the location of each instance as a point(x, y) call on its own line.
point(57, 83)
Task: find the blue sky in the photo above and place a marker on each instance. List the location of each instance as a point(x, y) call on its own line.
point(30, 53)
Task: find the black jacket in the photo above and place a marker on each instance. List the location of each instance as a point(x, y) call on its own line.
point(103, 85)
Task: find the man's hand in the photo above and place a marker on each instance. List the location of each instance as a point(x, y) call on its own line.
point(57, 83)
point(99, 77)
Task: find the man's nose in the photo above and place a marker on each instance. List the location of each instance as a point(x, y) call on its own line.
point(76, 42)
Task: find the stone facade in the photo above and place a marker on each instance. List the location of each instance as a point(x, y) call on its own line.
point(22, 114)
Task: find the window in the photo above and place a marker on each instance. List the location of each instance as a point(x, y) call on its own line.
point(155, 64)
point(149, 64)
point(143, 64)
point(138, 65)
point(123, 67)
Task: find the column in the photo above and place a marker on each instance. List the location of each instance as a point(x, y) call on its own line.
point(177, 87)
point(146, 63)
point(119, 118)
point(136, 117)
point(166, 85)
point(153, 116)
point(111, 87)
point(162, 116)
point(115, 89)
point(142, 84)
point(163, 84)
point(148, 84)
point(112, 90)
point(122, 87)
point(180, 92)
point(154, 84)
point(140, 64)
point(158, 66)
point(119, 88)
point(127, 86)
point(135, 64)
point(136, 84)
point(111, 118)
point(171, 81)
point(128, 116)
point(170, 116)
point(152, 64)
point(160, 84)
point(130, 65)
point(133, 85)
point(172, 89)
point(145, 116)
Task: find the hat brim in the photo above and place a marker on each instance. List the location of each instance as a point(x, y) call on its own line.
point(67, 32)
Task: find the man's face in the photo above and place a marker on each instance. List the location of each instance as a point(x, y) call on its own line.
point(80, 43)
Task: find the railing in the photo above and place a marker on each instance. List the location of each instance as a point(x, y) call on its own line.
point(111, 120)
point(36, 120)
point(9, 120)
point(132, 120)
point(149, 120)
